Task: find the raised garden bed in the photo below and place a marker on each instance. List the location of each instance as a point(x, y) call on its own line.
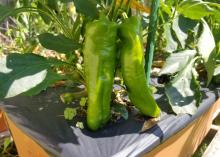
point(39, 130)
point(111, 48)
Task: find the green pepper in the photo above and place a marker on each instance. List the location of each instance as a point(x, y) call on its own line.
point(99, 63)
point(132, 67)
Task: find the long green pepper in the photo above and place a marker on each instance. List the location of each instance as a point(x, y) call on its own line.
point(132, 67)
point(100, 62)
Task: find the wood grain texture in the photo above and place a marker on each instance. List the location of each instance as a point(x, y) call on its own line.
point(186, 141)
point(3, 126)
point(26, 146)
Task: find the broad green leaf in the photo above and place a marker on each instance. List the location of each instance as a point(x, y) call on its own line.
point(50, 79)
point(169, 2)
point(20, 73)
point(87, 7)
point(53, 4)
point(206, 42)
point(177, 61)
point(183, 91)
point(216, 32)
point(210, 66)
point(218, 51)
point(26, 2)
point(182, 26)
point(171, 43)
point(58, 43)
point(216, 77)
point(206, 45)
point(216, 15)
point(194, 9)
point(217, 71)
point(42, 7)
point(166, 8)
point(5, 11)
point(69, 113)
point(66, 1)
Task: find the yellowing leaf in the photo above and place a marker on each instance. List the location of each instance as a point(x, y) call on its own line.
point(136, 5)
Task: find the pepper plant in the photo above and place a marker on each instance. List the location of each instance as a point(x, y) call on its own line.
point(107, 36)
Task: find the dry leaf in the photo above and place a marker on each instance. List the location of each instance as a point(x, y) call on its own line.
point(149, 124)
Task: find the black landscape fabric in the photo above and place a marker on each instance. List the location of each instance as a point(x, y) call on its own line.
point(41, 118)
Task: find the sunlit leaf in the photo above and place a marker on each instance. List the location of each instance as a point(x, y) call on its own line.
point(206, 46)
point(183, 91)
point(181, 26)
point(87, 7)
point(58, 43)
point(194, 9)
point(20, 73)
point(177, 61)
point(5, 11)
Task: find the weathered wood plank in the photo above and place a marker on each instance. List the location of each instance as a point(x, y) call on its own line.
point(213, 149)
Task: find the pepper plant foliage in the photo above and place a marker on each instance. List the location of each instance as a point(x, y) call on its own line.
point(189, 35)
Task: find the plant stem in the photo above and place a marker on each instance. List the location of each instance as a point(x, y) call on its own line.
point(151, 38)
point(111, 11)
point(33, 9)
point(117, 8)
point(128, 5)
point(175, 9)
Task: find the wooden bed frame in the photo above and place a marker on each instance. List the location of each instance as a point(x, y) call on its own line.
point(182, 144)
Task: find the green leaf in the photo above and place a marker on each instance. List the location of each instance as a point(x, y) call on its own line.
point(216, 13)
point(58, 43)
point(181, 26)
point(183, 91)
point(66, 1)
point(194, 9)
point(166, 8)
point(7, 142)
point(206, 46)
point(216, 79)
point(20, 73)
point(5, 11)
point(45, 18)
point(69, 113)
point(87, 7)
point(217, 71)
point(177, 61)
point(216, 75)
point(210, 66)
point(26, 2)
point(53, 4)
point(121, 109)
point(83, 101)
point(171, 43)
point(51, 78)
point(206, 42)
point(169, 2)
